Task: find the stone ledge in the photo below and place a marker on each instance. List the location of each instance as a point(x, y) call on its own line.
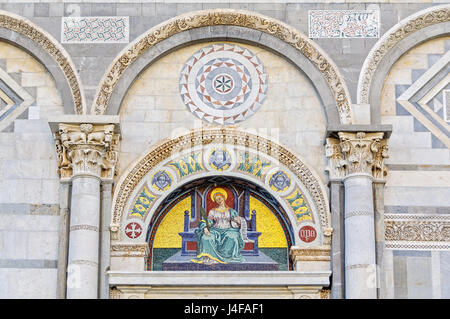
point(223, 278)
point(333, 129)
point(54, 121)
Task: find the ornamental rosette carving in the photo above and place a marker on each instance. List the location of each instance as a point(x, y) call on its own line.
point(357, 153)
point(86, 149)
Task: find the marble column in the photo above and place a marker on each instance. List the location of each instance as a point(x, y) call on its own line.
point(64, 215)
point(378, 186)
point(87, 155)
point(357, 158)
point(360, 261)
point(337, 243)
point(84, 238)
point(105, 238)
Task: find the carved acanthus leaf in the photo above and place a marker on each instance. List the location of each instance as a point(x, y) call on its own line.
point(356, 153)
point(86, 149)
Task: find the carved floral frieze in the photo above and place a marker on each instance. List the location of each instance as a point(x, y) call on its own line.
point(129, 250)
point(417, 231)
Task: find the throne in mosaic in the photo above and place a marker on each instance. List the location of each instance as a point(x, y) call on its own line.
point(189, 238)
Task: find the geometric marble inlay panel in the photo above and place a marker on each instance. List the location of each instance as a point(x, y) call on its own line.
point(95, 30)
point(223, 83)
point(14, 99)
point(424, 99)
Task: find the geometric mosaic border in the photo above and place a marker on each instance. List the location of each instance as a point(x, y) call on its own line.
point(95, 30)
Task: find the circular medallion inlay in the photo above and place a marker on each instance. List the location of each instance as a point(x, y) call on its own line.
point(279, 181)
point(133, 230)
point(223, 83)
point(161, 180)
point(307, 234)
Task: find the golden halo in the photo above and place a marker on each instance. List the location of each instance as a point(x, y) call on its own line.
point(219, 190)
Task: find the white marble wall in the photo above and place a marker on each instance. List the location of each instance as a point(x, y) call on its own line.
point(419, 179)
point(29, 184)
point(291, 114)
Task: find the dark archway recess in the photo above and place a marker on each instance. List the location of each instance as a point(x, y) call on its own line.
point(241, 191)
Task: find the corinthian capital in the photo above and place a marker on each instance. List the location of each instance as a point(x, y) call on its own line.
point(357, 153)
point(86, 149)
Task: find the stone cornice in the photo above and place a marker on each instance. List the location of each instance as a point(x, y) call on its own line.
point(357, 153)
point(129, 250)
point(320, 278)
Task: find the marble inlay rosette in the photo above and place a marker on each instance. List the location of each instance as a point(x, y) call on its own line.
point(223, 83)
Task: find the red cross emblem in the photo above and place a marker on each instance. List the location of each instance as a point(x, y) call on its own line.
point(133, 230)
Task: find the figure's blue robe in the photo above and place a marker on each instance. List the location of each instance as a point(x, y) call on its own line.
point(224, 245)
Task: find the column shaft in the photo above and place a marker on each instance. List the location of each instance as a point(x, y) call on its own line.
point(337, 243)
point(360, 253)
point(105, 241)
point(378, 191)
point(64, 195)
point(82, 281)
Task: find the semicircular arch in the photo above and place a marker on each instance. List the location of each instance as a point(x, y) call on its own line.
point(408, 33)
point(172, 163)
point(50, 53)
point(231, 25)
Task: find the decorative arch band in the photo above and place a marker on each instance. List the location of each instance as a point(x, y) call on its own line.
point(231, 17)
point(53, 48)
point(400, 31)
point(200, 138)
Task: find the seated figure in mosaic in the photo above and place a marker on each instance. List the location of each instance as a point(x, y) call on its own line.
point(219, 238)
